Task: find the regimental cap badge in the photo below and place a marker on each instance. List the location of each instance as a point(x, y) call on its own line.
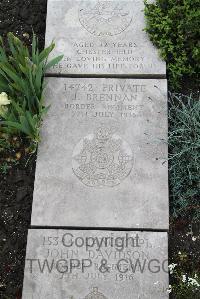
point(95, 294)
point(103, 133)
point(105, 18)
point(102, 158)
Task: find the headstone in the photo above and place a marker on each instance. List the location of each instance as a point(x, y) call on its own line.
point(84, 264)
point(102, 172)
point(102, 161)
point(102, 38)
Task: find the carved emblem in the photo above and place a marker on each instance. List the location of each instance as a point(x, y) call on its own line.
point(102, 159)
point(95, 294)
point(105, 18)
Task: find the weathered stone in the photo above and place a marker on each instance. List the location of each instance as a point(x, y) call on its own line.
point(102, 38)
point(65, 264)
point(103, 157)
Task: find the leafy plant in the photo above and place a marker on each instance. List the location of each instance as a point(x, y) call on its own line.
point(173, 27)
point(21, 79)
point(184, 156)
point(184, 285)
point(4, 167)
point(4, 143)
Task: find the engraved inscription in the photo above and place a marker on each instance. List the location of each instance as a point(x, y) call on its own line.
point(109, 101)
point(105, 18)
point(102, 159)
point(95, 294)
point(92, 259)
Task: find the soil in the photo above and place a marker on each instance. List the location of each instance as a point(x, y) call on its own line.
point(16, 187)
point(22, 17)
point(184, 244)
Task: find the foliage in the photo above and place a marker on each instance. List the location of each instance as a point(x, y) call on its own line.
point(184, 285)
point(184, 270)
point(173, 27)
point(11, 150)
point(4, 167)
point(4, 143)
point(21, 79)
point(184, 155)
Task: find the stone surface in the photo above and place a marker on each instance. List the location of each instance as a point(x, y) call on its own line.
point(103, 157)
point(102, 38)
point(65, 264)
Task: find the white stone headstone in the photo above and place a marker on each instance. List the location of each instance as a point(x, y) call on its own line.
point(102, 38)
point(66, 264)
point(102, 161)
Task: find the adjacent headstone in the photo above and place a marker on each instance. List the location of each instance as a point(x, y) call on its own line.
point(67, 264)
point(102, 38)
point(102, 161)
